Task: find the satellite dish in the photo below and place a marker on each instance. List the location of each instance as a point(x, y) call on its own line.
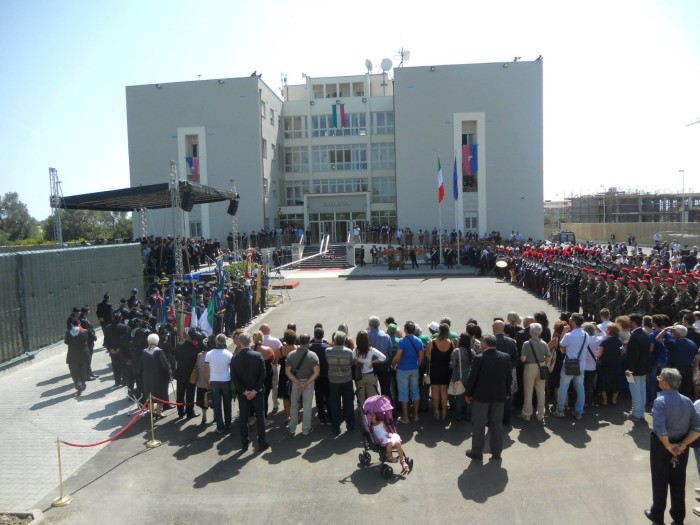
point(368, 65)
point(387, 64)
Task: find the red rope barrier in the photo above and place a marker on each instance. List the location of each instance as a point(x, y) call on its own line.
point(113, 437)
point(172, 402)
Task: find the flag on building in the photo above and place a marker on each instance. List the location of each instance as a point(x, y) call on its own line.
point(193, 164)
point(206, 320)
point(455, 181)
point(441, 185)
point(470, 164)
point(338, 115)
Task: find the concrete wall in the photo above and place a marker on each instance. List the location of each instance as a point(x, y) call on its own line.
point(506, 105)
point(40, 289)
point(227, 118)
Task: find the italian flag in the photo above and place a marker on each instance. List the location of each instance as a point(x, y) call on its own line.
point(441, 185)
point(206, 321)
point(338, 115)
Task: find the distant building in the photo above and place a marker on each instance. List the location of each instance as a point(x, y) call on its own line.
point(615, 206)
point(351, 150)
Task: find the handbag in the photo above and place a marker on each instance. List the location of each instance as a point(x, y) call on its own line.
point(294, 373)
point(456, 387)
point(357, 372)
point(426, 376)
point(194, 375)
point(572, 367)
point(544, 369)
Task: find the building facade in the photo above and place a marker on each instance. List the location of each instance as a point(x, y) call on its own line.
point(339, 152)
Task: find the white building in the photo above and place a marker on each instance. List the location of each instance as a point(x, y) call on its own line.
point(294, 164)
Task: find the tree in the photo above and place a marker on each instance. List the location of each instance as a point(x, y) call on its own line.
point(89, 225)
point(15, 222)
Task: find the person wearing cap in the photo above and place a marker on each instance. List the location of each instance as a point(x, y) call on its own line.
point(78, 355)
point(656, 292)
point(683, 300)
point(668, 299)
point(123, 309)
point(113, 333)
point(156, 374)
point(104, 311)
point(644, 299)
point(610, 295)
point(133, 300)
point(92, 337)
point(692, 286)
point(601, 293)
point(74, 315)
point(631, 298)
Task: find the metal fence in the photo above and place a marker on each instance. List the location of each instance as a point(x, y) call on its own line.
point(40, 288)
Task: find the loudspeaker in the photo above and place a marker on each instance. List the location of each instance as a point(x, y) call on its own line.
point(232, 207)
point(187, 201)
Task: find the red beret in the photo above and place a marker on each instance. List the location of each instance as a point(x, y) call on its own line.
point(657, 278)
point(633, 271)
point(632, 281)
point(647, 276)
point(644, 281)
point(682, 283)
point(690, 275)
point(625, 269)
point(664, 270)
point(620, 279)
point(670, 280)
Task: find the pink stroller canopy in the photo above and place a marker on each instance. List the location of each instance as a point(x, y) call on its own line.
point(377, 404)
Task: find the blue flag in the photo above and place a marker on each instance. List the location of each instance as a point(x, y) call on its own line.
point(455, 181)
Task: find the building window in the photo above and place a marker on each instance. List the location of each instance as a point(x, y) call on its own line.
point(352, 185)
point(195, 229)
point(379, 218)
point(383, 156)
point(265, 187)
point(296, 159)
point(263, 109)
point(340, 157)
point(264, 148)
point(355, 124)
point(274, 150)
point(467, 139)
point(272, 116)
point(295, 127)
point(294, 192)
point(383, 189)
point(471, 224)
point(383, 123)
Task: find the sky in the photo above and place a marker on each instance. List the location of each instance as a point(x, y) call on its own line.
point(621, 78)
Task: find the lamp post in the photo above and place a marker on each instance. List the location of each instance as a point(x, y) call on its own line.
point(682, 205)
point(605, 225)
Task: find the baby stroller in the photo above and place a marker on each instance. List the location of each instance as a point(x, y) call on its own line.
point(381, 407)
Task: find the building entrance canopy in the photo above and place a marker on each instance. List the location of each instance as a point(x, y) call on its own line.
point(153, 196)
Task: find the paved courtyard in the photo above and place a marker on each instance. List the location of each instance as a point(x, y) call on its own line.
point(565, 471)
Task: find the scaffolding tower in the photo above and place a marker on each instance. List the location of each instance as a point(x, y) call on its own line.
point(178, 218)
point(56, 200)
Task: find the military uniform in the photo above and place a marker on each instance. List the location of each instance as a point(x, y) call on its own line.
point(667, 303)
point(683, 300)
point(631, 298)
point(644, 301)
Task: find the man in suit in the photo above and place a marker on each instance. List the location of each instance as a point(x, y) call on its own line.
point(638, 366)
point(508, 346)
point(487, 388)
point(248, 374)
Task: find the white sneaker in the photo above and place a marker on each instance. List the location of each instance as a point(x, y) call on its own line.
point(696, 511)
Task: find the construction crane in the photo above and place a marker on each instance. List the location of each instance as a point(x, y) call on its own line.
point(56, 203)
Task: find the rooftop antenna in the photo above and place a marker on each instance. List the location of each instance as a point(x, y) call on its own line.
point(56, 205)
point(199, 77)
point(368, 65)
point(283, 79)
point(405, 56)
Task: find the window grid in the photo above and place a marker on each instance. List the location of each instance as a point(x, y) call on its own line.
point(382, 123)
point(296, 159)
point(383, 156)
point(340, 157)
point(355, 124)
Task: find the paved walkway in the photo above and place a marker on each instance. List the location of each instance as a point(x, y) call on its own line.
point(596, 468)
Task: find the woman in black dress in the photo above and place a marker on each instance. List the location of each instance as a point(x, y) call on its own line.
point(156, 374)
point(557, 358)
point(439, 353)
point(288, 345)
point(611, 375)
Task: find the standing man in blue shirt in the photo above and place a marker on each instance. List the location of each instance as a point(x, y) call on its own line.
point(573, 344)
point(382, 342)
point(676, 424)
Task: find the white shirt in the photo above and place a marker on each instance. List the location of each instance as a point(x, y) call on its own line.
point(367, 360)
point(219, 360)
point(573, 341)
point(272, 342)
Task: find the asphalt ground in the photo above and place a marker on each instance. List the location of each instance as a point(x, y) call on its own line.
point(563, 471)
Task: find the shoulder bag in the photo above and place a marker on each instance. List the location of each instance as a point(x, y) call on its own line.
point(426, 377)
point(357, 371)
point(456, 387)
point(572, 367)
point(294, 373)
point(544, 369)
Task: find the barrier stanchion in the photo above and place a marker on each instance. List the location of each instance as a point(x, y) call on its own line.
point(153, 442)
point(62, 500)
